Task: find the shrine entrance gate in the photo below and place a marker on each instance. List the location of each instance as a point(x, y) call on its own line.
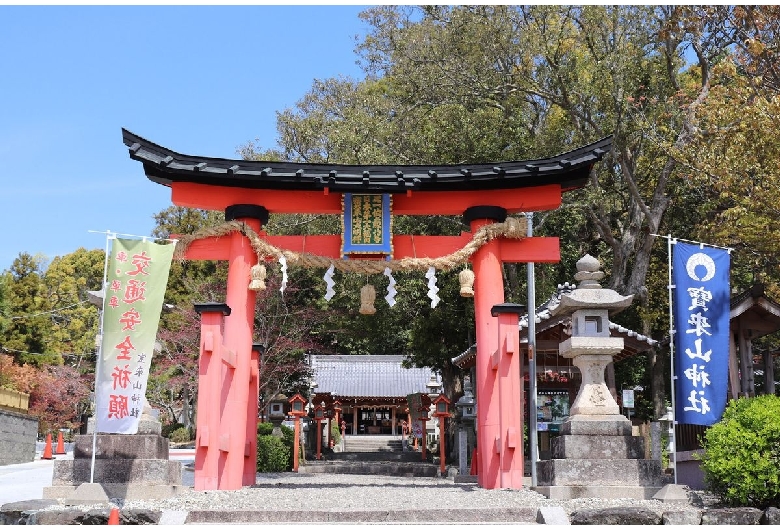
point(248, 191)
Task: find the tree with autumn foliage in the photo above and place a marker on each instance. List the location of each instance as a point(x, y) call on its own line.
point(58, 394)
point(734, 154)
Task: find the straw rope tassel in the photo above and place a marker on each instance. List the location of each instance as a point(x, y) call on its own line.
point(258, 277)
point(367, 297)
point(466, 278)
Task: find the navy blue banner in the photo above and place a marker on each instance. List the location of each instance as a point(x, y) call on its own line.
point(701, 320)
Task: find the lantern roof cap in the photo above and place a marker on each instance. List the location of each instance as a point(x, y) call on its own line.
point(589, 294)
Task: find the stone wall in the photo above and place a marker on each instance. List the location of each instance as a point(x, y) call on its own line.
point(18, 433)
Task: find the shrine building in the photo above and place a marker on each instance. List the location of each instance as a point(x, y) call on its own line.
point(372, 389)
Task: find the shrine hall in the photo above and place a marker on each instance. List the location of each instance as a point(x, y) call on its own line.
point(372, 389)
point(495, 201)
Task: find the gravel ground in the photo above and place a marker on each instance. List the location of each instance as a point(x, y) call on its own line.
point(331, 492)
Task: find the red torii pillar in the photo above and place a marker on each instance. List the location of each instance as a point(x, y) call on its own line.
point(508, 368)
point(224, 458)
point(497, 418)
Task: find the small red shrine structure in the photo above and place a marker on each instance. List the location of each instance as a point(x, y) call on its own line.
point(248, 191)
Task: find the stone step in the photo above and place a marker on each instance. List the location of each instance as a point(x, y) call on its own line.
point(363, 456)
point(459, 516)
point(397, 469)
point(359, 448)
point(372, 444)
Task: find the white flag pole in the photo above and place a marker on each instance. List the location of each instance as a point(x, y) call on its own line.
point(109, 236)
point(672, 331)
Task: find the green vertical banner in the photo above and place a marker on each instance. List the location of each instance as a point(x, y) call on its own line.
point(136, 278)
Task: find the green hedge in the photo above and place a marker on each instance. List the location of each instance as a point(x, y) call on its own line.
point(274, 454)
point(741, 458)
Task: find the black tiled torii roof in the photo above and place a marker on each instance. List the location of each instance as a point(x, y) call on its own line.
point(164, 166)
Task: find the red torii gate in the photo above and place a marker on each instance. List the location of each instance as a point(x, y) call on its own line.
point(249, 190)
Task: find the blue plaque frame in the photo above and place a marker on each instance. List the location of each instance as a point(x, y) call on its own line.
point(385, 247)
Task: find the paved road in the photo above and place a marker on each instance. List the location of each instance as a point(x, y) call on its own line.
point(20, 482)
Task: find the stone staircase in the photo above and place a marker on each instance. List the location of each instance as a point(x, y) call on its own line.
point(372, 455)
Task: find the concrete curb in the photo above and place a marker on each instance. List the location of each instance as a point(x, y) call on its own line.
point(457, 516)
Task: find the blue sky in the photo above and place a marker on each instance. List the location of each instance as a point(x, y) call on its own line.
point(200, 80)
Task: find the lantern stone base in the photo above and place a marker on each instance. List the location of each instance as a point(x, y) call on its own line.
point(566, 493)
point(129, 466)
point(599, 425)
point(598, 457)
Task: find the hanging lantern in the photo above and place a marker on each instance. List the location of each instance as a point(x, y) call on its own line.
point(466, 278)
point(367, 297)
point(258, 278)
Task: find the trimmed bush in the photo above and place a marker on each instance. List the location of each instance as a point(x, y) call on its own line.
point(335, 433)
point(167, 429)
point(274, 454)
point(741, 458)
point(181, 435)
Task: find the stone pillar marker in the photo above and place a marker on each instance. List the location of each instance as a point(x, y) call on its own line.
point(596, 454)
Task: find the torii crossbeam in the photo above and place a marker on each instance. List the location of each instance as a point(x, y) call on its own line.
point(249, 191)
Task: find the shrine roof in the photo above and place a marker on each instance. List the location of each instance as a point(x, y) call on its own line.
point(360, 376)
point(164, 166)
point(754, 310)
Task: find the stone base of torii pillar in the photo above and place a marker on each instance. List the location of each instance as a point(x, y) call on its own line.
point(595, 454)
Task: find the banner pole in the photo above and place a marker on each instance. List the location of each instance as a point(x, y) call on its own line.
point(672, 331)
point(532, 427)
point(98, 362)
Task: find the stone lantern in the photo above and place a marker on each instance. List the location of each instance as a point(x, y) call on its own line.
point(590, 346)
point(432, 386)
point(276, 413)
point(595, 454)
point(466, 414)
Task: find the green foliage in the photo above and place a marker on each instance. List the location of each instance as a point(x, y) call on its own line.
point(741, 459)
point(335, 433)
point(181, 435)
point(265, 429)
point(168, 428)
point(274, 454)
point(74, 321)
point(29, 306)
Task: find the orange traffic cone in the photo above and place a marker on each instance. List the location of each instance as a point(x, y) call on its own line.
point(47, 450)
point(113, 517)
point(60, 445)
